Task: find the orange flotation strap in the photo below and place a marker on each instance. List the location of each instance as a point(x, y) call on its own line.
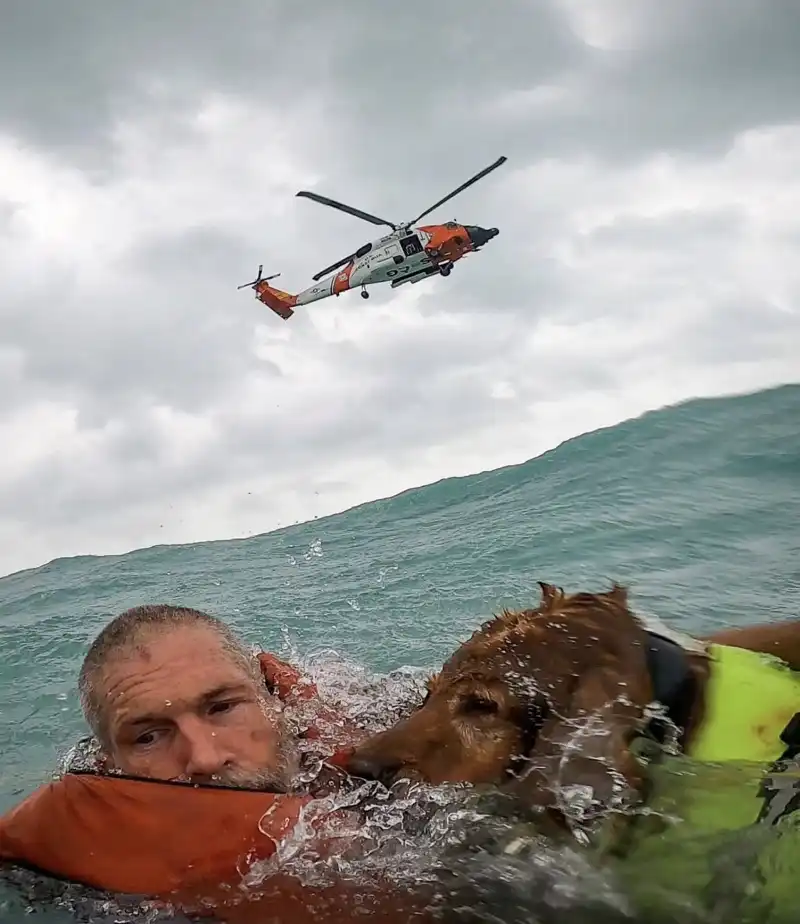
point(144, 837)
point(188, 847)
point(284, 680)
point(165, 840)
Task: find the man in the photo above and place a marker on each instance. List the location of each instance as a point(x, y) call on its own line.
point(193, 792)
point(170, 693)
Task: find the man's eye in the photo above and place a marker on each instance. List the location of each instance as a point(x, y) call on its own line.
point(224, 706)
point(146, 738)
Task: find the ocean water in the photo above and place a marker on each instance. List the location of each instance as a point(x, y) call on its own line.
point(696, 507)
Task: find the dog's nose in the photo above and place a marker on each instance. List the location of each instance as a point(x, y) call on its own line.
point(371, 768)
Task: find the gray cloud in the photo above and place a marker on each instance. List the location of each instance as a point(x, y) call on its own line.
point(695, 75)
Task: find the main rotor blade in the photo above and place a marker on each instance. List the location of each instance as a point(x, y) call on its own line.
point(332, 267)
point(461, 188)
point(324, 200)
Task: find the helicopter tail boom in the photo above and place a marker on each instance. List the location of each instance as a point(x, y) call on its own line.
point(282, 303)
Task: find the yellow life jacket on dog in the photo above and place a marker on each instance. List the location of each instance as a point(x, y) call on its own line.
point(750, 698)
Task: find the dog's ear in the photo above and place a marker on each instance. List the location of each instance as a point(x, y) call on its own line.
point(430, 686)
point(551, 595)
point(584, 755)
point(597, 688)
point(618, 594)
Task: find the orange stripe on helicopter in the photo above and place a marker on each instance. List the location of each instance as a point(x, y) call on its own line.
point(341, 282)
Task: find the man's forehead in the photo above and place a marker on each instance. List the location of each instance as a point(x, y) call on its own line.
point(172, 641)
point(188, 660)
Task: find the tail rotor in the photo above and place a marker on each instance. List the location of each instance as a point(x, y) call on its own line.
point(259, 278)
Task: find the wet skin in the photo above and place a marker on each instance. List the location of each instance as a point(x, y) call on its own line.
point(179, 705)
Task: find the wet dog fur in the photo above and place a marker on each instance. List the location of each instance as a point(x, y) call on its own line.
point(547, 701)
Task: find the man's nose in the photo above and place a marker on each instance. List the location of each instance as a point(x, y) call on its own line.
point(204, 755)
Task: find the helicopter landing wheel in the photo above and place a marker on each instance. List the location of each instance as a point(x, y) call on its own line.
point(364, 293)
point(445, 270)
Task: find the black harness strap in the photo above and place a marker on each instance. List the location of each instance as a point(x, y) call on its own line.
point(674, 685)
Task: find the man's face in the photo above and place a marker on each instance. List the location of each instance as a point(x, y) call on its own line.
point(179, 705)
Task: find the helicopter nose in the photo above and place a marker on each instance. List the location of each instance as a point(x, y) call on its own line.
point(479, 236)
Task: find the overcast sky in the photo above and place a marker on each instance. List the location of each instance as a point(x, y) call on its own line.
point(649, 219)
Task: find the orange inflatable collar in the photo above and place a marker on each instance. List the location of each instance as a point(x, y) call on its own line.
point(152, 838)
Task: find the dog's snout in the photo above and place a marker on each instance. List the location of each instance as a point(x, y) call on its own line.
point(371, 767)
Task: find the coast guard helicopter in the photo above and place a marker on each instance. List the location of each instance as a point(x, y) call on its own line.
point(409, 253)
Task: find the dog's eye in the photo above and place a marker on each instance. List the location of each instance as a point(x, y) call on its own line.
point(478, 705)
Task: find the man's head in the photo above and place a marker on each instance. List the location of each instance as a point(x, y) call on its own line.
point(172, 694)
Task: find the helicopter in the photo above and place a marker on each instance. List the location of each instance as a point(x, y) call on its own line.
point(408, 254)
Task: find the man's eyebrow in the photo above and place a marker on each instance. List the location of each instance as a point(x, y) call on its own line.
point(141, 720)
point(224, 689)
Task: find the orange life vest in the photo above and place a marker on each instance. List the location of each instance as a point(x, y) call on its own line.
point(186, 845)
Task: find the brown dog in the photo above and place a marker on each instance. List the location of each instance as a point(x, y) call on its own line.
point(551, 699)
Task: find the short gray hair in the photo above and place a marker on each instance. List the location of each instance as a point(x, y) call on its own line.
point(124, 631)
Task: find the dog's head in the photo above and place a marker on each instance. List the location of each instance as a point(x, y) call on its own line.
point(546, 697)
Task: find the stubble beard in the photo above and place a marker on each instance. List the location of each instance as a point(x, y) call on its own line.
point(279, 776)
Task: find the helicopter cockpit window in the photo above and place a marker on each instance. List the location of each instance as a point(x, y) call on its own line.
point(411, 245)
point(363, 251)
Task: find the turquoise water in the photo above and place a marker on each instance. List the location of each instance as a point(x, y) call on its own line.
point(697, 507)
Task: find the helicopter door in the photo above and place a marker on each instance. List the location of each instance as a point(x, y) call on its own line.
point(411, 245)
